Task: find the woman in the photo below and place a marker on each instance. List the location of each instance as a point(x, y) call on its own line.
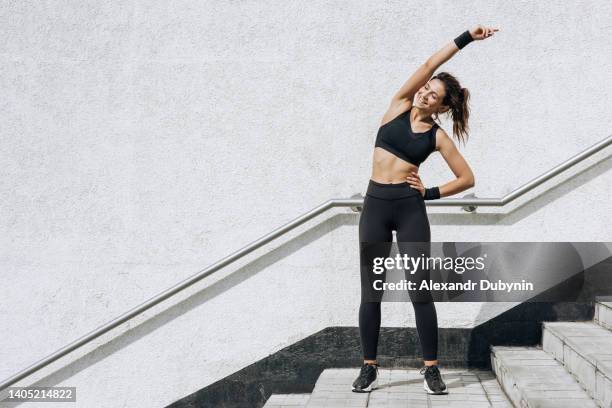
point(395, 195)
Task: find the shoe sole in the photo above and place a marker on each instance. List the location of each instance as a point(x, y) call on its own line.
point(430, 391)
point(369, 388)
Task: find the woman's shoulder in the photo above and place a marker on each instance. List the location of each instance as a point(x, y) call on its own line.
point(439, 136)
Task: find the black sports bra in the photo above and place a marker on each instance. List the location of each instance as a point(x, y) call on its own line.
point(398, 138)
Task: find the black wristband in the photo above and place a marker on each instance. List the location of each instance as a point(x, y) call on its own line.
point(463, 39)
point(432, 193)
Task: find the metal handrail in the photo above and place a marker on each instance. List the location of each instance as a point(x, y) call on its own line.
point(468, 203)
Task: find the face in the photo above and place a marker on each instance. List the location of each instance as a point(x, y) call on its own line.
point(429, 98)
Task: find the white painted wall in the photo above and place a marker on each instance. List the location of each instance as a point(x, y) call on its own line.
point(142, 141)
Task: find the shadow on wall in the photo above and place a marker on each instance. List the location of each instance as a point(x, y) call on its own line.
point(296, 368)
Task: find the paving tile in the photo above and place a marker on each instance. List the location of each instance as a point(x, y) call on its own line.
point(404, 388)
point(287, 401)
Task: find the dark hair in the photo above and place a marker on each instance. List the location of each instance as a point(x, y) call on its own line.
point(457, 99)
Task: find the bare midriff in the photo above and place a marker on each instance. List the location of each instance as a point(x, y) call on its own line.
point(388, 168)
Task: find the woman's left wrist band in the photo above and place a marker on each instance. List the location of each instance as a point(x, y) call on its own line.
point(432, 193)
point(463, 39)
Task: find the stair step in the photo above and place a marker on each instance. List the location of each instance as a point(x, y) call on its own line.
point(404, 388)
point(531, 377)
point(603, 314)
point(287, 401)
point(585, 348)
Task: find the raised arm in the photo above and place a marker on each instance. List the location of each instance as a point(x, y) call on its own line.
point(427, 69)
point(424, 72)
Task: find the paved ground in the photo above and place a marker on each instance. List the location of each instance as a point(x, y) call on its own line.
point(404, 388)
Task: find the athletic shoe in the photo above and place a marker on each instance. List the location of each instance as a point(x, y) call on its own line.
point(433, 382)
point(367, 380)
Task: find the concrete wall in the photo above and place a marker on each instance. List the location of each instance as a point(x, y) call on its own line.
point(142, 141)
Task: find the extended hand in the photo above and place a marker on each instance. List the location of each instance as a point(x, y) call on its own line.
point(481, 32)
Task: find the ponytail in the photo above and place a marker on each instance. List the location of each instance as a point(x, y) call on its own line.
point(457, 99)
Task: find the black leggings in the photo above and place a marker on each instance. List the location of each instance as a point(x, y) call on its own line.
point(401, 208)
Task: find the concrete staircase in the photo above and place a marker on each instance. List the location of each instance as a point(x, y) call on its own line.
point(572, 368)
